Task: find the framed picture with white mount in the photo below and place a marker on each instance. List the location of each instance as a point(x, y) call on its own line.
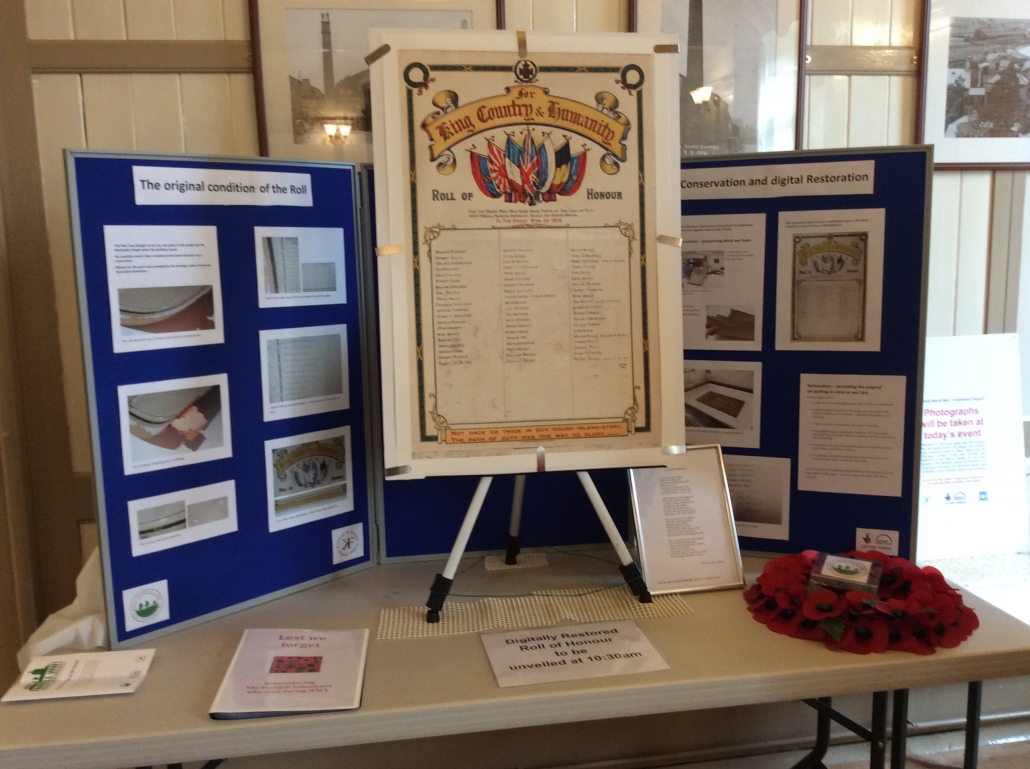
point(299, 46)
point(741, 72)
point(976, 105)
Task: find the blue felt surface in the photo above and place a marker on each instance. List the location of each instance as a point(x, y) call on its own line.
point(217, 573)
point(824, 521)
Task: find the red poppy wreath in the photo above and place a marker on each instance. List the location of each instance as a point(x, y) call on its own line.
point(914, 609)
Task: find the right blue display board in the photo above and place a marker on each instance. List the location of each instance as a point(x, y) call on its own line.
point(804, 304)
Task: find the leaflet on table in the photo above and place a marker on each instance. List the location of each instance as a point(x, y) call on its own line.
point(722, 402)
point(181, 517)
point(81, 675)
point(685, 524)
point(723, 268)
point(284, 672)
point(565, 653)
point(304, 371)
point(309, 477)
point(851, 434)
point(972, 472)
point(760, 490)
point(164, 286)
point(829, 280)
point(533, 307)
point(174, 422)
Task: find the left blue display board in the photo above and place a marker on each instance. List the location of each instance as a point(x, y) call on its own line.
point(223, 323)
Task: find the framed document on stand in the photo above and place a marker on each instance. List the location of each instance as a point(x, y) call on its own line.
point(526, 298)
point(684, 519)
point(528, 257)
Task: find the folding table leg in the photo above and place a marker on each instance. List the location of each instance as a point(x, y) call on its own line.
point(878, 743)
point(899, 729)
point(814, 760)
point(973, 703)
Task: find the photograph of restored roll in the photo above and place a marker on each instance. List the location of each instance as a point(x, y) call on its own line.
point(830, 287)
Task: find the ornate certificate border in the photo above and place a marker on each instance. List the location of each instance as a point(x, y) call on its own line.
point(650, 420)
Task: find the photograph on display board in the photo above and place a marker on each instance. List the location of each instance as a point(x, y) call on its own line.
point(182, 517)
point(309, 477)
point(760, 490)
point(737, 74)
point(304, 371)
point(978, 62)
point(722, 402)
point(300, 266)
point(830, 280)
point(175, 422)
point(723, 269)
point(315, 82)
point(164, 284)
point(539, 169)
point(829, 287)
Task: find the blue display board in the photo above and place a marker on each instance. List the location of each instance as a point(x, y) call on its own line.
point(421, 518)
point(223, 335)
point(836, 317)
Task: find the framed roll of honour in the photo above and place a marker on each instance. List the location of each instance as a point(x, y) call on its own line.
point(529, 308)
point(686, 536)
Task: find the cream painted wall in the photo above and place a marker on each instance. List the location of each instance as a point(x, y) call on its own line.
point(214, 114)
point(204, 114)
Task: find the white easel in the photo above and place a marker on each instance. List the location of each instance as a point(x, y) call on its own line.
point(442, 583)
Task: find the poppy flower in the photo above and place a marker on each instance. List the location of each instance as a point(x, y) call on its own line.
point(937, 581)
point(793, 563)
point(903, 569)
point(822, 604)
point(764, 612)
point(786, 621)
point(792, 598)
point(900, 638)
point(771, 581)
point(869, 555)
point(859, 600)
point(867, 636)
point(810, 630)
point(754, 594)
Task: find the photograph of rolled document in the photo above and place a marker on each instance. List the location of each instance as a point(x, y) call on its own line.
point(163, 310)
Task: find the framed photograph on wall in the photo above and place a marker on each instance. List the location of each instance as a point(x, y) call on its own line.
point(977, 100)
point(684, 521)
point(738, 74)
point(300, 46)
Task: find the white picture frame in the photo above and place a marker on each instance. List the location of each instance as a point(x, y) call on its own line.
point(960, 118)
point(670, 506)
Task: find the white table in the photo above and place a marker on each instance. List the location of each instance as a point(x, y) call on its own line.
point(414, 688)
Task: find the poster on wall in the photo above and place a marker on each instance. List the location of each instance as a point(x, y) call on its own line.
point(972, 494)
point(221, 315)
point(526, 298)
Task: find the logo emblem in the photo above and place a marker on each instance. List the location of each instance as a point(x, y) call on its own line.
point(146, 603)
point(525, 71)
point(42, 678)
point(348, 543)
